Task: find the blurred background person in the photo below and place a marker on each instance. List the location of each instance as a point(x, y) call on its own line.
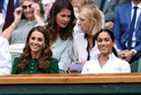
point(108, 8)
point(27, 16)
point(128, 32)
point(47, 4)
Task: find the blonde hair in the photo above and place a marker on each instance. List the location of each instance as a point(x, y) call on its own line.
point(94, 14)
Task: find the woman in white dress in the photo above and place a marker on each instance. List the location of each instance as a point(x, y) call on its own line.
point(106, 61)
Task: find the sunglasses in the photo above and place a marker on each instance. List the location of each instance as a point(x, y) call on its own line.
point(26, 6)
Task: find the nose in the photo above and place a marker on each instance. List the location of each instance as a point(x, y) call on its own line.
point(66, 19)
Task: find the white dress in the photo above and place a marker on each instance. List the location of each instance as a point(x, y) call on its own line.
point(113, 65)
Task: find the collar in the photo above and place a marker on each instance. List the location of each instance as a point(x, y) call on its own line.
point(138, 5)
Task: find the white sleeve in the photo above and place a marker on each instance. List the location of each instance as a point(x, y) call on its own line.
point(5, 57)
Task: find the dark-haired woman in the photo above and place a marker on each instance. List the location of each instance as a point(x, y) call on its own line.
point(36, 56)
point(60, 26)
point(106, 61)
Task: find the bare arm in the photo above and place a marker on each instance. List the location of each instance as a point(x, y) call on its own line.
point(8, 31)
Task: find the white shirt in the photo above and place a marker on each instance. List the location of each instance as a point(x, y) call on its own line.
point(62, 51)
point(80, 44)
point(5, 57)
point(113, 65)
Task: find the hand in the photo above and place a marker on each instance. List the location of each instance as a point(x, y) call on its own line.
point(37, 14)
point(126, 54)
point(36, 8)
point(109, 25)
point(18, 14)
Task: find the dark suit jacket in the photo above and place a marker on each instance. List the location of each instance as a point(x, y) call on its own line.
point(122, 26)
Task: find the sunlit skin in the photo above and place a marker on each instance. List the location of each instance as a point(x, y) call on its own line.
point(36, 43)
point(105, 45)
point(63, 18)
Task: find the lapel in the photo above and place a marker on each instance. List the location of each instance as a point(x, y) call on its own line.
point(128, 13)
point(138, 27)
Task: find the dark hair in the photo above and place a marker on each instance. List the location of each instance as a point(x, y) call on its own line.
point(56, 8)
point(46, 51)
point(111, 34)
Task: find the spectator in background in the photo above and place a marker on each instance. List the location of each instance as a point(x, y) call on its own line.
point(61, 21)
point(36, 57)
point(90, 21)
point(5, 57)
point(106, 61)
point(27, 16)
point(47, 4)
point(108, 8)
point(77, 5)
point(127, 30)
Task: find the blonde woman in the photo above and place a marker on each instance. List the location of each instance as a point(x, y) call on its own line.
point(90, 22)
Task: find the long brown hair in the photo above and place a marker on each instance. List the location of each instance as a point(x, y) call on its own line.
point(46, 51)
point(66, 32)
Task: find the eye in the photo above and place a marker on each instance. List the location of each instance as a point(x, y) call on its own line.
point(99, 40)
point(33, 38)
point(40, 39)
point(107, 39)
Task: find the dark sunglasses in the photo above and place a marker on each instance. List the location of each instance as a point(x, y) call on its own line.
point(26, 6)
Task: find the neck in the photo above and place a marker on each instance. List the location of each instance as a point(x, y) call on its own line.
point(103, 58)
point(35, 55)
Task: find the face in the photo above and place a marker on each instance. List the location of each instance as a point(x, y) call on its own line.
point(36, 41)
point(86, 23)
point(63, 18)
point(28, 10)
point(104, 43)
point(136, 1)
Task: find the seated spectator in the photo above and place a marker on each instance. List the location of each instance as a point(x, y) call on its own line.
point(106, 61)
point(127, 31)
point(36, 56)
point(60, 26)
point(5, 57)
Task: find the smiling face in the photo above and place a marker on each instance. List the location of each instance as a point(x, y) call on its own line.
point(63, 18)
point(36, 42)
point(28, 10)
point(105, 43)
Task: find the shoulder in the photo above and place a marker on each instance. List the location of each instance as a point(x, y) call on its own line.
point(53, 60)
point(120, 61)
point(16, 60)
point(120, 7)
